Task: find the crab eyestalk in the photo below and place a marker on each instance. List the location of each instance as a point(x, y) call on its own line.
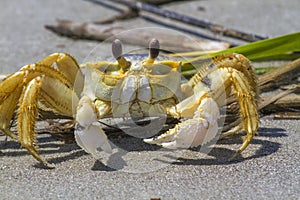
point(117, 53)
point(153, 51)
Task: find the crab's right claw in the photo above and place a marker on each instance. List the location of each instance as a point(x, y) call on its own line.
point(91, 138)
point(88, 134)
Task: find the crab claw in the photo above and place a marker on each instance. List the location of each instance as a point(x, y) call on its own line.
point(88, 134)
point(91, 138)
point(198, 130)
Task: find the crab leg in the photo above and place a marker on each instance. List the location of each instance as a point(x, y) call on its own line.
point(7, 109)
point(237, 80)
point(10, 92)
point(46, 82)
point(248, 86)
point(66, 64)
point(227, 74)
point(200, 127)
point(69, 67)
point(9, 85)
point(57, 96)
point(248, 107)
point(27, 114)
point(54, 83)
point(53, 93)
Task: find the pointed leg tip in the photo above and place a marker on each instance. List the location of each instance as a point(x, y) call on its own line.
point(232, 158)
point(149, 141)
point(46, 164)
point(49, 165)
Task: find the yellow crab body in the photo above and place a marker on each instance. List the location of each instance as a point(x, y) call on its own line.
point(134, 91)
point(131, 87)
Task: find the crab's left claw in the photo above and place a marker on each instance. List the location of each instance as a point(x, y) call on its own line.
point(200, 127)
point(88, 134)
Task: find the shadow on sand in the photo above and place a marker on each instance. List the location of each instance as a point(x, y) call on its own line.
point(220, 155)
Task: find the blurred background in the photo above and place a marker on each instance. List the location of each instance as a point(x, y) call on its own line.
point(24, 38)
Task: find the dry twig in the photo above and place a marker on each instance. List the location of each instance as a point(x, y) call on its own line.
point(100, 32)
point(215, 28)
point(280, 76)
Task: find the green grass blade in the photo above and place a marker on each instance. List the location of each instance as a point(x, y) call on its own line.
point(286, 47)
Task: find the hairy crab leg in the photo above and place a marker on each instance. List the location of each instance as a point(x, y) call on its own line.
point(7, 109)
point(54, 90)
point(9, 84)
point(27, 114)
point(10, 92)
point(57, 96)
point(236, 80)
point(248, 106)
point(68, 66)
point(65, 63)
point(242, 64)
point(200, 127)
point(232, 74)
point(46, 82)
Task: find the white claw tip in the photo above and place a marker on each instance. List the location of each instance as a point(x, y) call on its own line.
point(149, 141)
point(91, 138)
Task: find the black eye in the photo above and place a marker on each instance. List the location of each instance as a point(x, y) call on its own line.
point(154, 48)
point(160, 69)
point(116, 48)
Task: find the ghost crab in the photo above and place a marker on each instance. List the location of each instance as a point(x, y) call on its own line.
point(125, 88)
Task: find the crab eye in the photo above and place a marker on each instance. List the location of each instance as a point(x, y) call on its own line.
point(116, 48)
point(117, 53)
point(154, 48)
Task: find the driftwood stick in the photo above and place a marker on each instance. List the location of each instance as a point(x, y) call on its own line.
point(158, 2)
point(277, 99)
point(289, 101)
point(287, 116)
point(128, 13)
point(280, 76)
point(100, 32)
point(215, 28)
